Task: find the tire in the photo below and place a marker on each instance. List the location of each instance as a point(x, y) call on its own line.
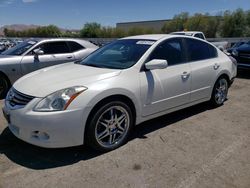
point(109, 126)
point(4, 86)
point(220, 91)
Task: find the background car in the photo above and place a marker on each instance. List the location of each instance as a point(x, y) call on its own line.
point(242, 55)
point(98, 100)
point(197, 34)
point(35, 54)
point(235, 45)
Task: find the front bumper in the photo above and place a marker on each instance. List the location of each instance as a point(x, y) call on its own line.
point(244, 65)
point(46, 129)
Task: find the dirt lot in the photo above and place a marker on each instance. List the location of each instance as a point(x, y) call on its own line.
point(195, 147)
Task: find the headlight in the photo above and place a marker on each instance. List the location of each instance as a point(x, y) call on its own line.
point(235, 53)
point(59, 100)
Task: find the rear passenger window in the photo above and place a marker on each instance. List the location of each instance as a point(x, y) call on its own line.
point(199, 50)
point(74, 46)
point(171, 50)
point(213, 51)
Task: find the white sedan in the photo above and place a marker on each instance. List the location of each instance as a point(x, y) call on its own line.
point(100, 99)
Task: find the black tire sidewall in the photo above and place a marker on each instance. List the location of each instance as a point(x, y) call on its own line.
point(6, 87)
point(90, 137)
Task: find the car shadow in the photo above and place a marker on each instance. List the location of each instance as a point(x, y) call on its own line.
point(38, 158)
point(243, 73)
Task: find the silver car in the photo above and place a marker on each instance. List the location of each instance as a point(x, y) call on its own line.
point(35, 54)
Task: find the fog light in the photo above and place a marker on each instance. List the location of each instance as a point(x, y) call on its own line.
point(40, 135)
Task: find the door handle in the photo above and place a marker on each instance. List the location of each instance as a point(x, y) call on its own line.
point(69, 57)
point(185, 75)
point(216, 66)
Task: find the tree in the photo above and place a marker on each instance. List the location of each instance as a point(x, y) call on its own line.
point(234, 24)
point(212, 27)
point(247, 32)
point(198, 22)
point(91, 30)
point(6, 32)
point(176, 24)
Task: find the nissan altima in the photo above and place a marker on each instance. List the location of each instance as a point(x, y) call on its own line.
point(100, 99)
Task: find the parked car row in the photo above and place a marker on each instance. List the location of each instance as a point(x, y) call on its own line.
point(6, 44)
point(98, 100)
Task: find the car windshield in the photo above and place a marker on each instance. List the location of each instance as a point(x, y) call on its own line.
point(20, 48)
point(120, 54)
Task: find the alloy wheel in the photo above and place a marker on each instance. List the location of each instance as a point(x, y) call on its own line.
point(221, 90)
point(112, 126)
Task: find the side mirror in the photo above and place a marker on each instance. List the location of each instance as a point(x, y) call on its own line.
point(38, 52)
point(156, 64)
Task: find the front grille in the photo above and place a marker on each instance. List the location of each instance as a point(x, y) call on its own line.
point(17, 99)
point(245, 55)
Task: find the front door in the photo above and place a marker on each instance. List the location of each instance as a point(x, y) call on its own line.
point(163, 89)
point(54, 53)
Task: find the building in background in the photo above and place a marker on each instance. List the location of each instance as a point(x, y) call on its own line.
point(155, 25)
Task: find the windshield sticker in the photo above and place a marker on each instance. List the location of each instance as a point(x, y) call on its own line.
point(31, 42)
point(146, 42)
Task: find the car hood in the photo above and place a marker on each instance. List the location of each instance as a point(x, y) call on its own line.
point(46, 81)
point(244, 48)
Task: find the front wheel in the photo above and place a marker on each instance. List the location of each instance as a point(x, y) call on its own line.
point(220, 91)
point(109, 126)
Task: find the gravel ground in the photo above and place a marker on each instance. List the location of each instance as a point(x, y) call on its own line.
point(194, 147)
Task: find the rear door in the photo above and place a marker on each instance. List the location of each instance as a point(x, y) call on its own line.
point(54, 53)
point(204, 66)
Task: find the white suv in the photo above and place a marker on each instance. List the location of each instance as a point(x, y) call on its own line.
point(124, 83)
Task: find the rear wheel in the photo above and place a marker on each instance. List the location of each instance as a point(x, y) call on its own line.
point(220, 91)
point(109, 127)
point(4, 86)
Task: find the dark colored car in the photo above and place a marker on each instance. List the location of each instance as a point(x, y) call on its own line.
point(242, 55)
point(236, 45)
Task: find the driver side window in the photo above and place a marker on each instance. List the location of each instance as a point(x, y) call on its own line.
point(53, 48)
point(171, 50)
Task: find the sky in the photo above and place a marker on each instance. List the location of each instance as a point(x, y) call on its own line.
point(73, 14)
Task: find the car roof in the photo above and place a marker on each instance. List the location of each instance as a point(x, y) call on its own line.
point(148, 37)
point(84, 43)
point(187, 32)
